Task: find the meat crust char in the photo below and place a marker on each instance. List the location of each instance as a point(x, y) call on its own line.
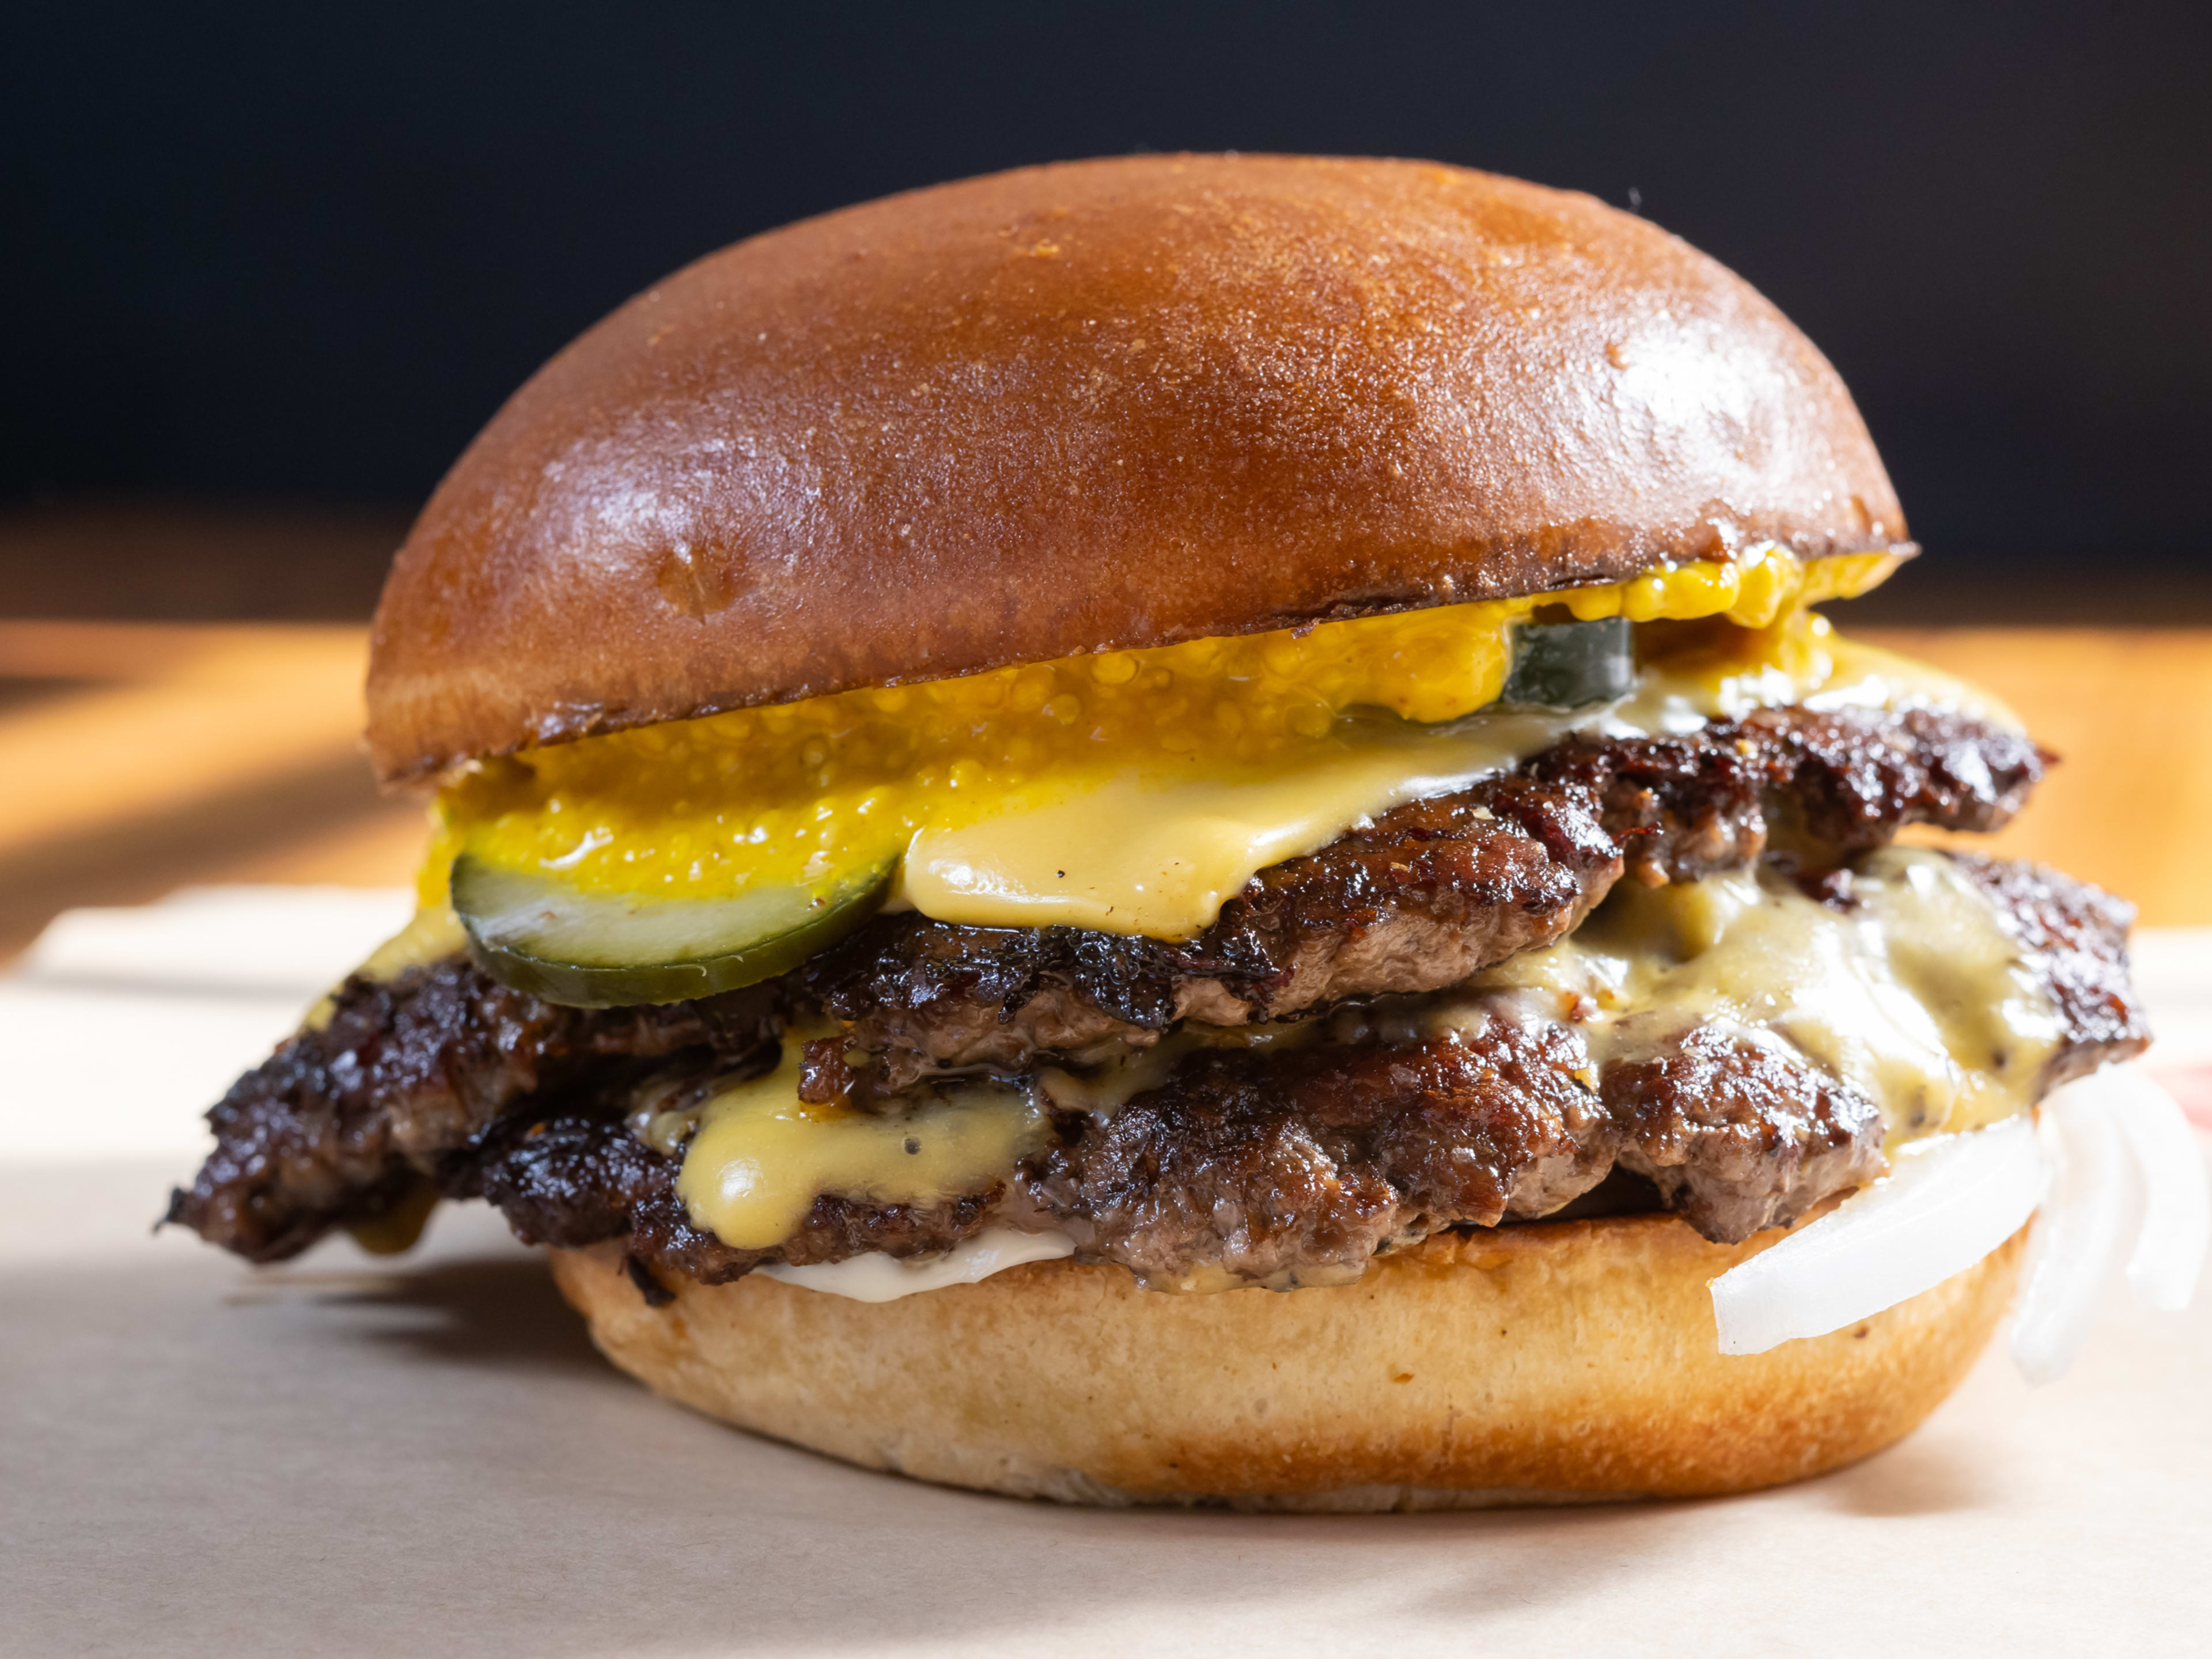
point(1431, 892)
point(1815, 787)
point(1293, 1166)
point(342, 1120)
point(447, 1075)
point(2074, 934)
point(1422, 898)
point(1302, 1165)
point(1738, 1134)
point(1297, 1166)
point(1294, 1162)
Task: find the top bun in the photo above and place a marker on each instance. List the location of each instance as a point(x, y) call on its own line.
point(1095, 406)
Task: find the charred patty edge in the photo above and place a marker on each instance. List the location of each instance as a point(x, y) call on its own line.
point(443, 1073)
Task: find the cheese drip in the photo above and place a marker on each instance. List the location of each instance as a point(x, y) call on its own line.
point(1314, 729)
point(1915, 994)
point(432, 933)
point(761, 1155)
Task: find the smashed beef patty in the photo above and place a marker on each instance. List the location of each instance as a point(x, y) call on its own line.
point(1429, 894)
point(1260, 1164)
point(342, 1122)
point(443, 1073)
point(1281, 1167)
point(1278, 1166)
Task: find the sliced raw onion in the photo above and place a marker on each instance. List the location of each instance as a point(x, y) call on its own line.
point(2126, 1182)
point(2176, 1227)
point(2130, 1184)
point(2094, 1210)
point(1949, 1202)
point(875, 1277)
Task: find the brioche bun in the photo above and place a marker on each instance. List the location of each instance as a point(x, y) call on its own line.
point(1096, 406)
point(1560, 1362)
point(1116, 404)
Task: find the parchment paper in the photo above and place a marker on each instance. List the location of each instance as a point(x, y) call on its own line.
point(351, 1456)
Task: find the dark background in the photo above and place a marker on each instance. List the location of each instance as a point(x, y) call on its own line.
point(268, 268)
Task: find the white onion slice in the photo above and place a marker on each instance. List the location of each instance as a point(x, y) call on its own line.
point(875, 1277)
point(2177, 1226)
point(1949, 1201)
point(2130, 1183)
point(2091, 1217)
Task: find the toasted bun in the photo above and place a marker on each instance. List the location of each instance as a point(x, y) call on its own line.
point(1566, 1362)
point(1088, 407)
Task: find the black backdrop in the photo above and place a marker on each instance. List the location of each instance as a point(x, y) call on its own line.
point(280, 251)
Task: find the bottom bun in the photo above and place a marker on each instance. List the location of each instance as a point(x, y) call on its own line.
point(1568, 1362)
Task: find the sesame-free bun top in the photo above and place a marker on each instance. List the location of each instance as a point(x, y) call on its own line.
point(1095, 406)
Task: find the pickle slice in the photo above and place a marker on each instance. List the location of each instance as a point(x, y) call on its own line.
point(538, 933)
point(1571, 665)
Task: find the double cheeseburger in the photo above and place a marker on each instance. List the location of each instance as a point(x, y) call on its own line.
point(1178, 829)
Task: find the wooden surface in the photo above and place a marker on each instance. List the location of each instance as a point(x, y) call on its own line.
point(2130, 711)
point(141, 757)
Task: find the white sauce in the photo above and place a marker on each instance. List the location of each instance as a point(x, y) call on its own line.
point(875, 1277)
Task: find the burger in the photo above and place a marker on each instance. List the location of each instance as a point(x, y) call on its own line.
point(1180, 830)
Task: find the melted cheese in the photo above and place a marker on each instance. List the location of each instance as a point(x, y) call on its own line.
point(1142, 854)
point(757, 1156)
point(1817, 667)
point(1863, 676)
point(1103, 1088)
point(1915, 994)
point(1159, 856)
point(761, 1155)
point(1175, 773)
point(432, 933)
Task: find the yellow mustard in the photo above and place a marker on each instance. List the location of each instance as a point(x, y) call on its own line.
point(794, 792)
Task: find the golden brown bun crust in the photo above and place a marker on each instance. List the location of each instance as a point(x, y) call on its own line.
point(1558, 1363)
point(1092, 406)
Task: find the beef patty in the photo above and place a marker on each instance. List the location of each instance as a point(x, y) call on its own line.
point(345, 1119)
point(1430, 893)
point(1288, 1165)
point(445, 1075)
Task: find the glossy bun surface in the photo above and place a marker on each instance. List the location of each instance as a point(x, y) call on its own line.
point(1092, 406)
